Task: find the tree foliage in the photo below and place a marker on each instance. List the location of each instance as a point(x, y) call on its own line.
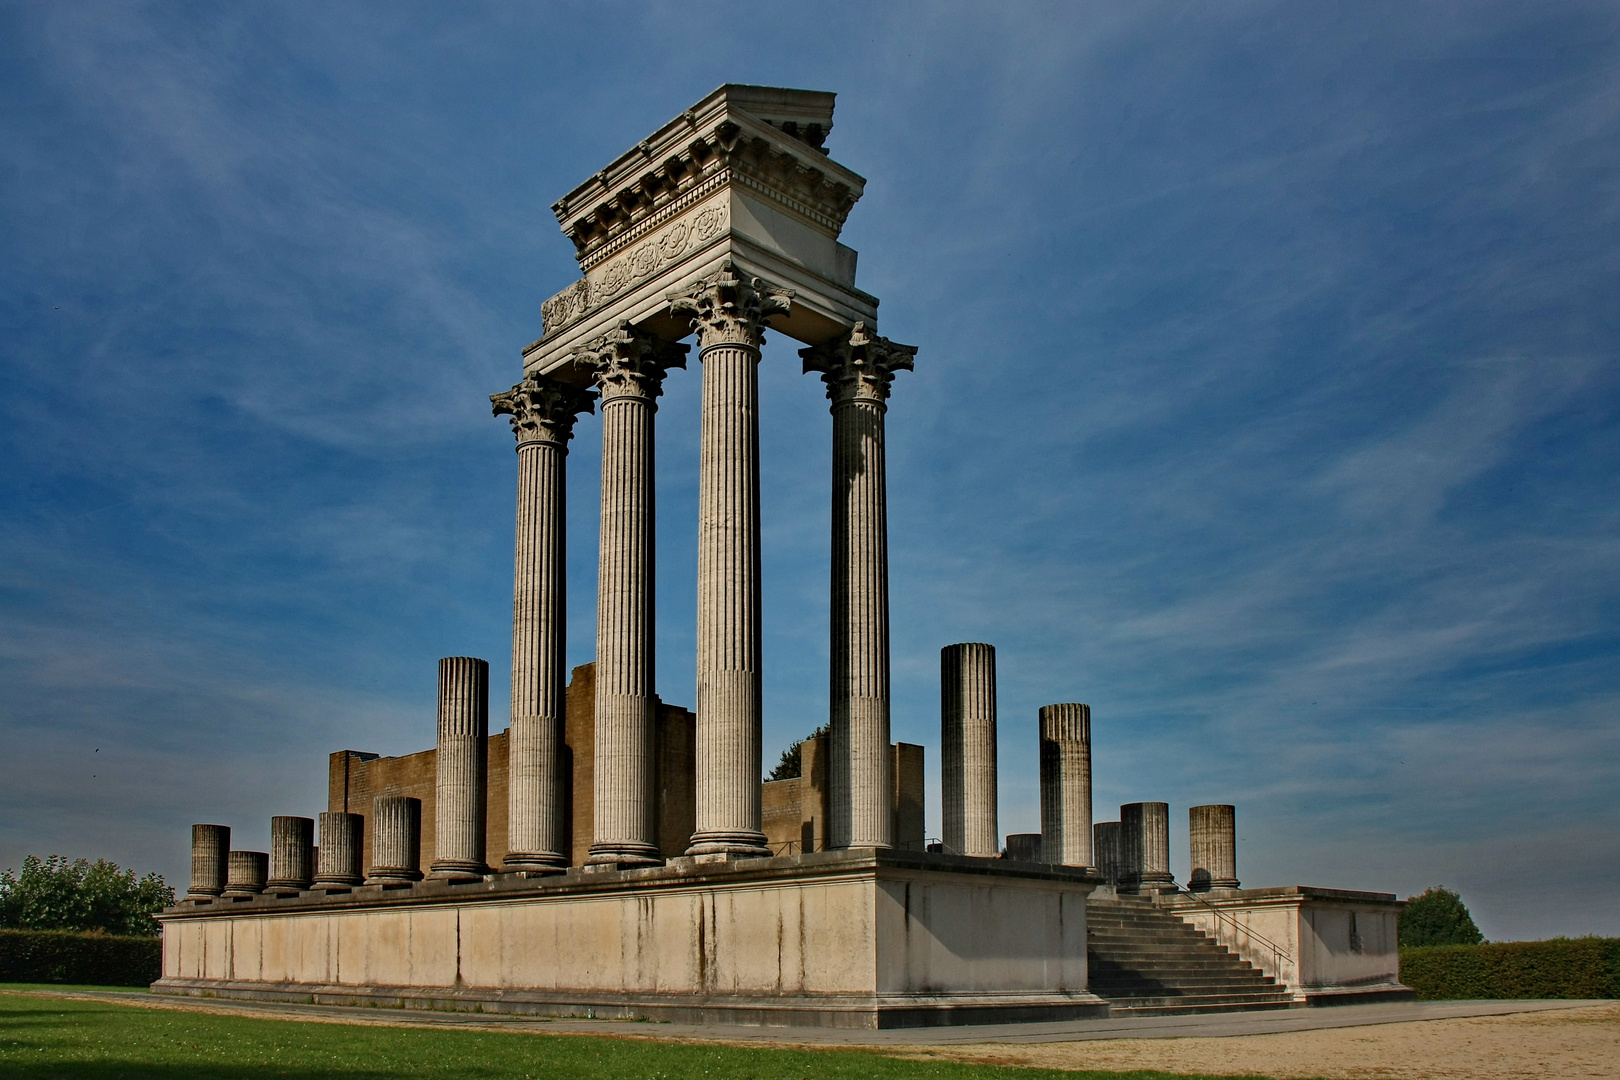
point(56, 894)
point(792, 763)
point(1438, 917)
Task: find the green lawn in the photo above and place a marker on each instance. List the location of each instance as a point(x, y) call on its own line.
point(44, 1038)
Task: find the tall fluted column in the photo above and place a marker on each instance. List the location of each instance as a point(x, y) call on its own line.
point(292, 853)
point(1213, 834)
point(967, 706)
point(396, 840)
point(858, 370)
point(629, 367)
point(461, 788)
point(1066, 784)
point(1106, 850)
point(543, 413)
point(728, 311)
point(341, 844)
point(209, 845)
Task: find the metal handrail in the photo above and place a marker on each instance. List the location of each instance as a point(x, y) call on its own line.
point(1219, 914)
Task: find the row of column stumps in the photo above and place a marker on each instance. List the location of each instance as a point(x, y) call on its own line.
point(1134, 852)
point(295, 863)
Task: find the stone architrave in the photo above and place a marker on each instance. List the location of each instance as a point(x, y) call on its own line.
point(967, 705)
point(396, 840)
point(209, 845)
point(1066, 784)
point(246, 873)
point(338, 861)
point(1145, 834)
point(543, 412)
point(729, 313)
point(629, 367)
point(461, 789)
point(1213, 833)
point(292, 854)
point(858, 368)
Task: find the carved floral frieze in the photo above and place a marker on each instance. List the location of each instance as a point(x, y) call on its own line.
point(668, 245)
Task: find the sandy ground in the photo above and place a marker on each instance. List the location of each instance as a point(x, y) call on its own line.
point(1567, 1043)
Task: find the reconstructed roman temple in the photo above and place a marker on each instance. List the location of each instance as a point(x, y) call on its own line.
point(610, 854)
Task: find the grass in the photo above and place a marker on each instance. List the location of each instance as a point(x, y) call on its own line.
point(46, 1038)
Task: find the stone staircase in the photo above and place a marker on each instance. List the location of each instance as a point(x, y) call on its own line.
point(1146, 962)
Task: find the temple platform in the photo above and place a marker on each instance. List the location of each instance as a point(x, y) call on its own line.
point(862, 938)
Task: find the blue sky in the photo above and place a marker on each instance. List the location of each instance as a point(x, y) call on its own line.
point(1266, 401)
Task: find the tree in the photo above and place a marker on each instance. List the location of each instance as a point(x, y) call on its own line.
point(792, 763)
point(55, 894)
point(1438, 917)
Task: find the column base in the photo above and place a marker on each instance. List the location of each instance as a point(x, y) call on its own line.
point(623, 855)
point(534, 862)
point(456, 870)
point(285, 885)
point(339, 881)
point(203, 894)
point(389, 875)
point(745, 843)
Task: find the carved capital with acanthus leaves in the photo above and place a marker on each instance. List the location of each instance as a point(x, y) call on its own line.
point(628, 362)
point(543, 410)
point(729, 308)
point(858, 367)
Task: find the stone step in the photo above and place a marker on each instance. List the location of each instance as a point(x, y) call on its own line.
point(1125, 1008)
point(1147, 962)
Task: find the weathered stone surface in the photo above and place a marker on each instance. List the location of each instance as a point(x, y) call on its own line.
point(729, 313)
point(1145, 844)
point(1108, 850)
point(342, 843)
point(292, 853)
point(967, 704)
point(462, 768)
point(1212, 831)
point(847, 938)
point(1066, 784)
point(1024, 847)
point(209, 846)
point(245, 873)
point(858, 368)
point(396, 840)
point(542, 412)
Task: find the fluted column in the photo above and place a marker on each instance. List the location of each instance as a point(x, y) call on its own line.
point(543, 413)
point(1066, 784)
point(341, 845)
point(728, 311)
point(209, 845)
point(629, 368)
point(245, 873)
point(461, 787)
point(1213, 834)
point(858, 370)
point(292, 853)
point(1106, 850)
point(1145, 831)
point(967, 705)
point(396, 840)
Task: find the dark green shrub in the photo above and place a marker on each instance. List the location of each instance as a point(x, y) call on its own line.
point(55, 894)
point(1561, 968)
point(62, 956)
point(1438, 917)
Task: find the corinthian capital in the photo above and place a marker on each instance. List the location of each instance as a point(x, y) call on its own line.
point(629, 362)
point(542, 409)
point(858, 367)
point(728, 308)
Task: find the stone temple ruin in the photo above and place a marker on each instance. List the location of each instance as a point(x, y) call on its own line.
point(613, 855)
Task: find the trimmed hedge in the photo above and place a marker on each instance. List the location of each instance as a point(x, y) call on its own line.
point(66, 956)
point(1560, 968)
